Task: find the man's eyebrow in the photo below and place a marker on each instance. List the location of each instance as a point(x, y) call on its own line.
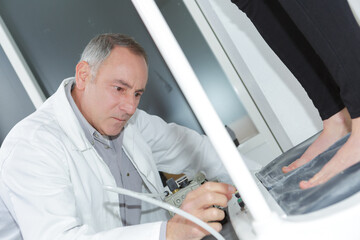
point(122, 82)
point(141, 90)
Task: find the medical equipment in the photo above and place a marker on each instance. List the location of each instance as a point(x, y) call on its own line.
point(262, 217)
point(166, 206)
point(181, 187)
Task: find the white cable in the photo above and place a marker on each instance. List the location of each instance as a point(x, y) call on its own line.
point(166, 206)
point(152, 195)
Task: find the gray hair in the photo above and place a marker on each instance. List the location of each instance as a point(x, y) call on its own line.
point(99, 48)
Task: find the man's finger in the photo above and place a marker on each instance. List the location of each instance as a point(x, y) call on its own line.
point(209, 199)
point(221, 188)
point(213, 214)
point(215, 225)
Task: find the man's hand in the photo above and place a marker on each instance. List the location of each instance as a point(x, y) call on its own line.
point(200, 204)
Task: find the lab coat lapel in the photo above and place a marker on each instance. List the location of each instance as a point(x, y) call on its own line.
point(141, 156)
point(69, 123)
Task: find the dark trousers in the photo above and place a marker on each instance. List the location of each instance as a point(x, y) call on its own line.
point(319, 41)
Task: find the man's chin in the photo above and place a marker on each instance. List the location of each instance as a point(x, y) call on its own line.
point(114, 132)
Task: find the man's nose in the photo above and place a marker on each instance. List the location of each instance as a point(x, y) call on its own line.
point(128, 105)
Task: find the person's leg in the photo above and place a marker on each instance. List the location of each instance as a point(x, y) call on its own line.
point(288, 42)
point(334, 34)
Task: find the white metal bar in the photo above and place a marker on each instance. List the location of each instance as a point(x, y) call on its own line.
point(205, 113)
point(20, 66)
point(355, 7)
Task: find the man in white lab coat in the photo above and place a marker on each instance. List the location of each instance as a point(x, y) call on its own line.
point(55, 162)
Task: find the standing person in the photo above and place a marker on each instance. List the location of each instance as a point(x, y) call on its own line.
point(55, 162)
point(319, 41)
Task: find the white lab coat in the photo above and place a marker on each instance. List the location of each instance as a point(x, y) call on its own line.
point(52, 178)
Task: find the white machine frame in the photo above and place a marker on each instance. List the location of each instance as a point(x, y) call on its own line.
point(262, 218)
point(22, 69)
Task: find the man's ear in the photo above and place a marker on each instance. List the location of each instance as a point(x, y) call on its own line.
point(83, 74)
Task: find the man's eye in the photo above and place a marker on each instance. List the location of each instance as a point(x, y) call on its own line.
point(118, 88)
point(138, 94)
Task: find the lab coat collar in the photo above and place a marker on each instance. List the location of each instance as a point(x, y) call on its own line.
point(67, 119)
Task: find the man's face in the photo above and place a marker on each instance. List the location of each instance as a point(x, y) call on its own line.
point(111, 98)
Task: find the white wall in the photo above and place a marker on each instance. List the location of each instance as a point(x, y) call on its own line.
point(287, 98)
